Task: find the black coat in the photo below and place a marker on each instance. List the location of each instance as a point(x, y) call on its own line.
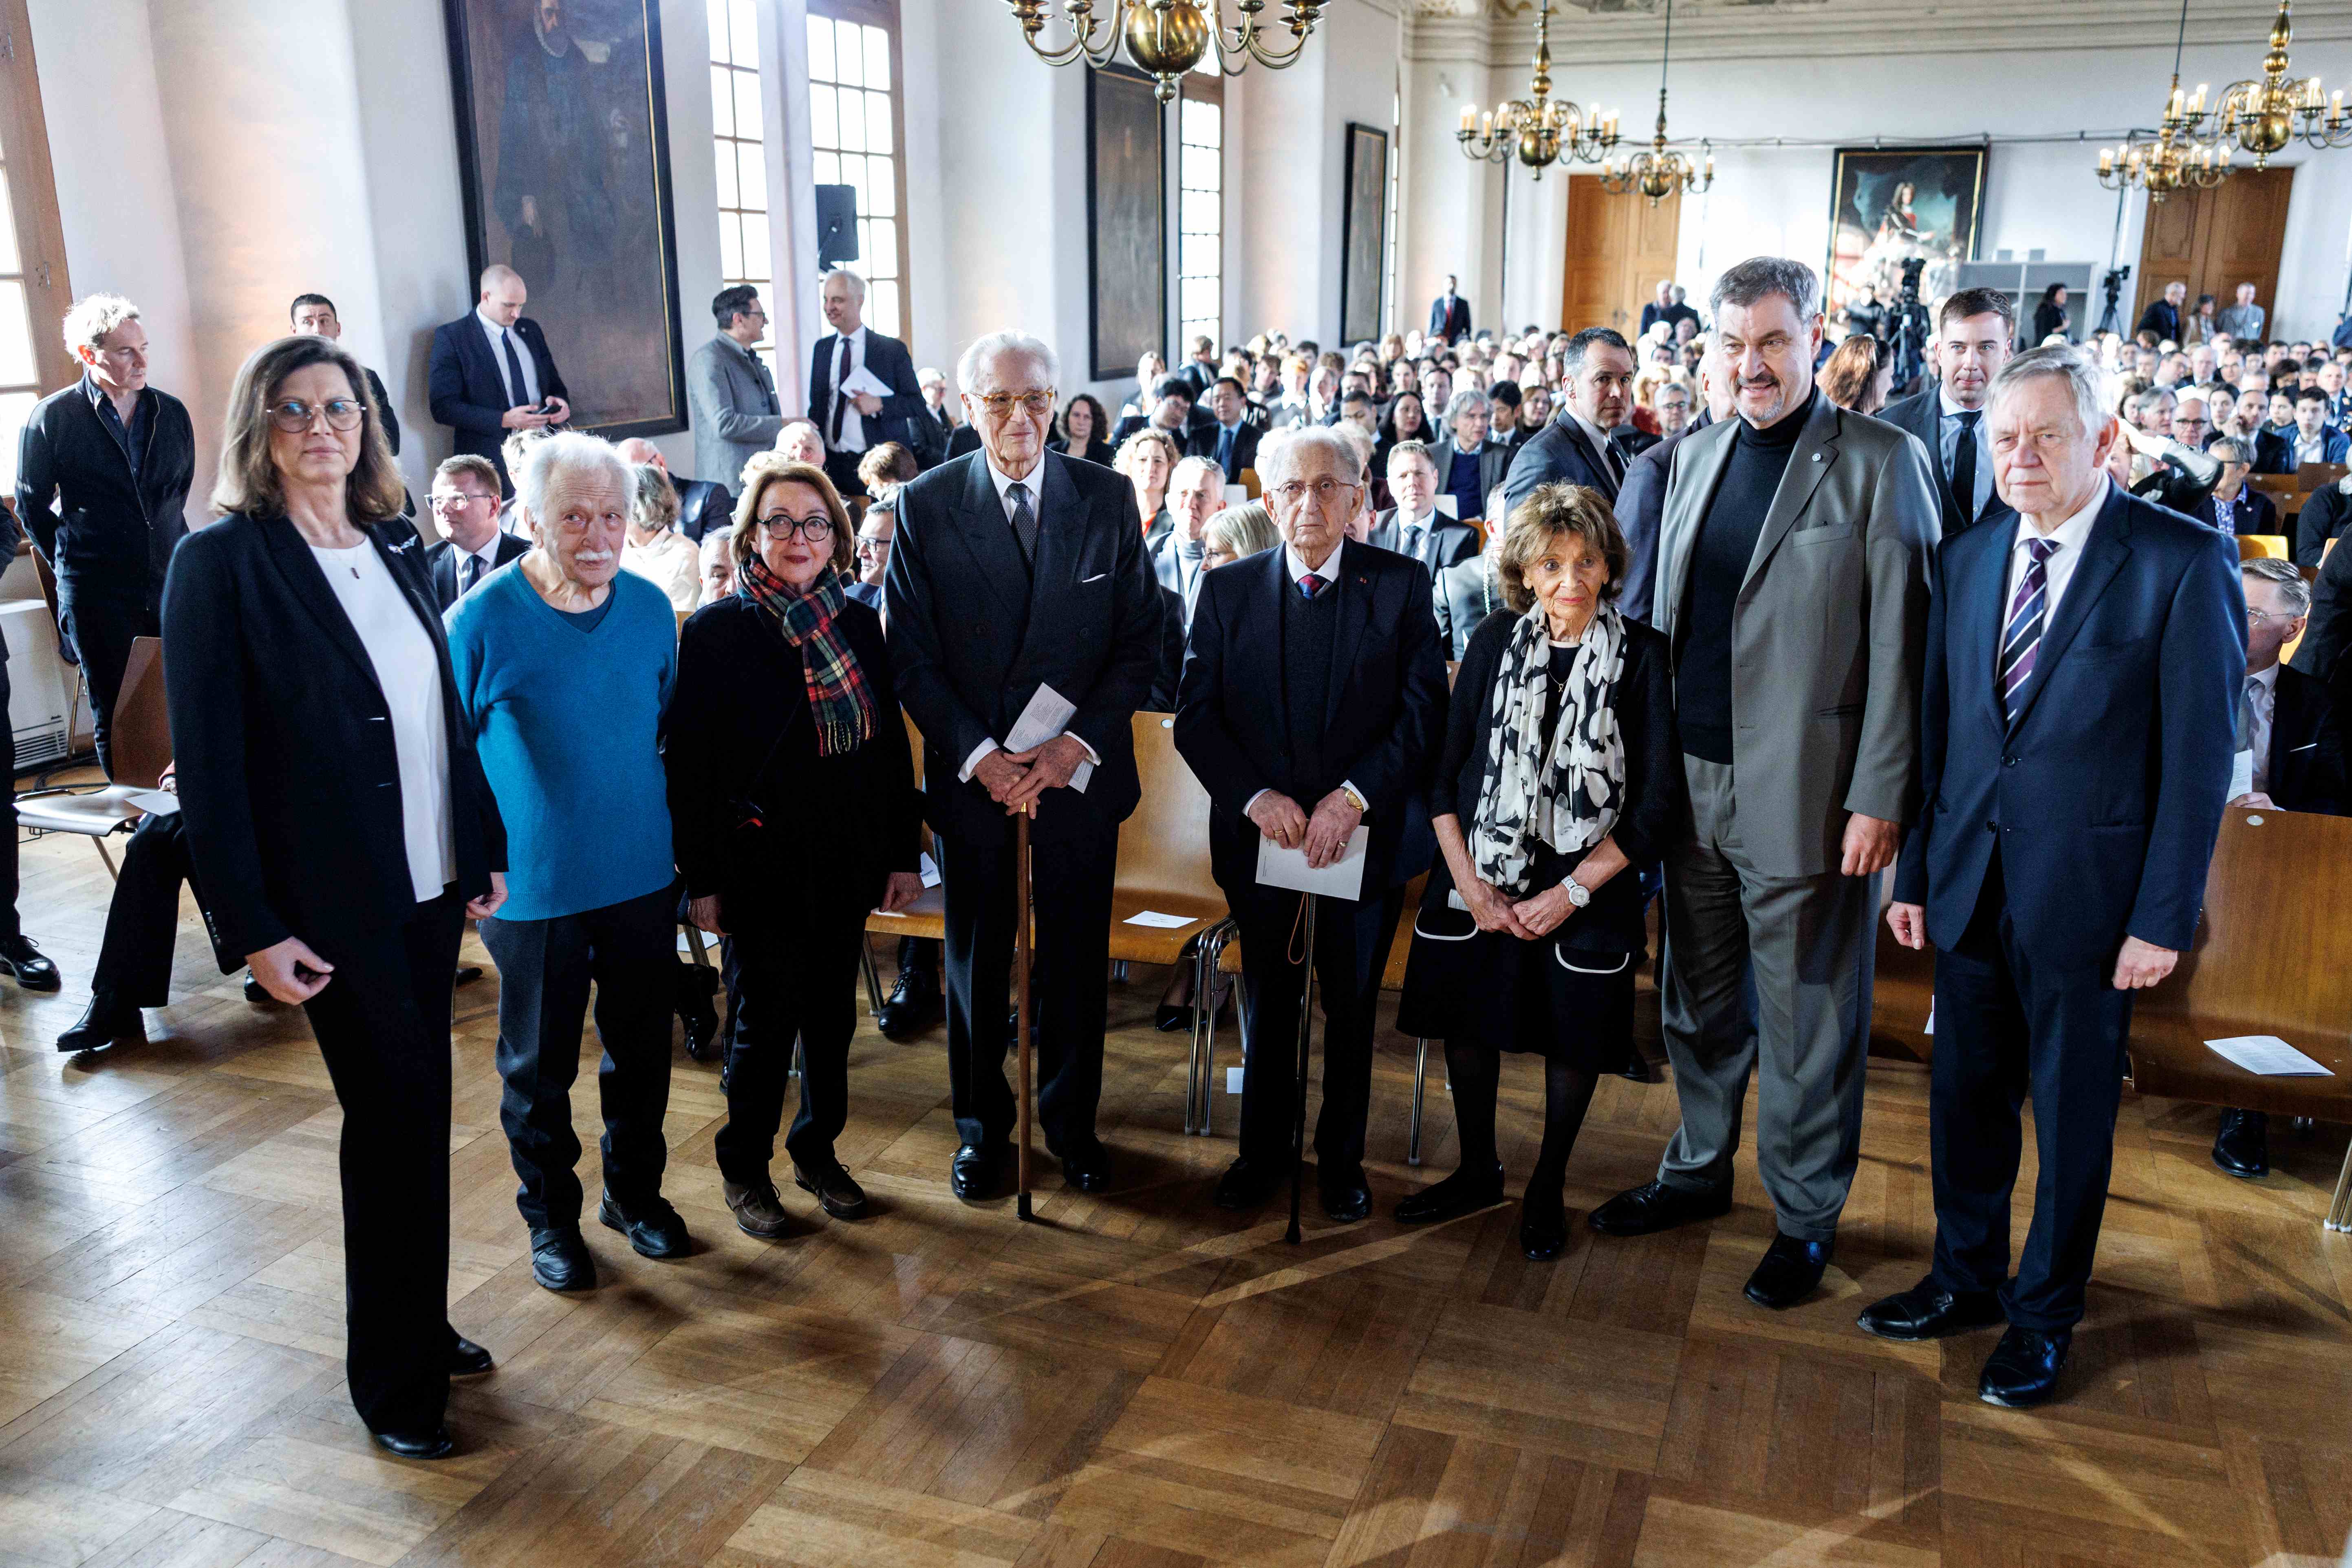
point(2321, 652)
point(888, 359)
point(1923, 416)
point(466, 385)
point(704, 505)
point(2307, 763)
point(441, 561)
point(1641, 517)
point(1561, 454)
point(102, 531)
point(831, 829)
point(1643, 699)
point(1203, 444)
point(2325, 513)
point(384, 409)
point(288, 773)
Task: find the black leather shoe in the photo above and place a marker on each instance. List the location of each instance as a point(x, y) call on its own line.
point(31, 968)
point(1087, 1169)
point(653, 1228)
point(104, 1023)
point(1247, 1183)
point(468, 973)
point(1172, 1016)
point(560, 1258)
point(2242, 1146)
point(468, 1359)
point(2024, 1369)
point(913, 1006)
point(1654, 1206)
point(1928, 1311)
point(256, 992)
point(1346, 1196)
point(1790, 1271)
point(1543, 1229)
point(835, 1192)
point(435, 1445)
point(975, 1172)
point(1463, 1191)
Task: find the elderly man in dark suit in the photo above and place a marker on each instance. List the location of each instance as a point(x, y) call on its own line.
point(465, 503)
point(2083, 664)
point(1576, 447)
point(861, 420)
point(1642, 500)
point(1312, 700)
point(492, 372)
point(1414, 526)
point(1013, 570)
point(1974, 331)
point(730, 394)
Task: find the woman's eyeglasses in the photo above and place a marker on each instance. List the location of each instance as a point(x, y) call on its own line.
point(813, 529)
point(294, 416)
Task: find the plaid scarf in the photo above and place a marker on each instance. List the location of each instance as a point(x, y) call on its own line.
point(838, 700)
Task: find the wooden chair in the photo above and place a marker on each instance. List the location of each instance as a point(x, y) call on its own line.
point(2251, 546)
point(2278, 487)
point(1247, 479)
point(1164, 867)
point(2318, 475)
point(141, 749)
point(2272, 955)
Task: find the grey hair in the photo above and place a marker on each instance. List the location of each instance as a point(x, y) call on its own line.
point(653, 500)
point(1420, 449)
point(93, 317)
point(2293, 592)
point(1359, 440)
point(1746, 282)
point(1468, 400)
point(983, 350)
point(1240, 531)
point(857, 283)
point(1278, 457)
point(564, 455)
point(1207, 464)
point(2081, 373)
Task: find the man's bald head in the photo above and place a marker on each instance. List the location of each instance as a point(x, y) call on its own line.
point(638, 449)
point(503, 294)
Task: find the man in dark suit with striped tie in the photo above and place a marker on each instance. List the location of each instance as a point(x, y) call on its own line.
point(2077, 722)
point(1576, 447)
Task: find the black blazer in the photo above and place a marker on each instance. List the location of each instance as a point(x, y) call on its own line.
point(704, 505)
point(1444, 543)
point(1382, 715)
point(831, 829)
point(2162, 317)
point(1447, 324)
point(1562, 454)
point(891, 365)
point(1203, 444)
point(288, 775)
point(1923, 416)
point(467, 386)
point(1098, 450)
point(2306, 764)
point(2325, 513)
point(1641, 517)
point(441, 562)
point(1643, 699)
point(384, 409)
point(973, 638)
point(102, 531)
point(2254, 513)
point(2321, 652)
point(964, 442)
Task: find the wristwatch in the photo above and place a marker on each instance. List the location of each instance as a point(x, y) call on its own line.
point(1363, 807)
point(1578, 893)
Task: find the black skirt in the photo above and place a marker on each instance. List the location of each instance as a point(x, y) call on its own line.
point(1496, 992)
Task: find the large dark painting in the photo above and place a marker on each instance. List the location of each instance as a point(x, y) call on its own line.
point(1892, 205)
point(1363, 244)
point(1127, 221)
point(563, 149)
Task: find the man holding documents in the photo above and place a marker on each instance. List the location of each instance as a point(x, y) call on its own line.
point(1312, 699)
point(862, 385)
point(2085, 662)
point(1024, 627)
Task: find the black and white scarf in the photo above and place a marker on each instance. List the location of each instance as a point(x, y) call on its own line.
point(1570, 797)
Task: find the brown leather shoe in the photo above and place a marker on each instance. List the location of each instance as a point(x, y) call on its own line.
point(758, 1210)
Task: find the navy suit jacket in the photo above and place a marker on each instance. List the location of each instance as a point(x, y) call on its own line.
point(1562, 454)
point(1202, 443)
point(441, 563)
point(2306, 762)
point(971, 638)
point(1451, 324)
point(1383, 714)
point(2274, 448)
point(2254, 513)
point(888, 359)
point(1641, 514)
point(1444, 542)
point(2105, 797)
point(1923, 416)
point(467, 386)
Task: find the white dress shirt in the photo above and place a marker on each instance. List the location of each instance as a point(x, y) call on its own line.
point(2059, 570)
point(488, 555)
point(1407, 529)
point(2311, 449)
point(499, 337)
point(1329, 573)
point(2261, 687)
point(1949, 429)
point(853, 425)
point(1034, 481)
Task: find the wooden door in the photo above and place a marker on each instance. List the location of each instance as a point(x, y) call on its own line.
point(1617, 248)
point(2214, 240)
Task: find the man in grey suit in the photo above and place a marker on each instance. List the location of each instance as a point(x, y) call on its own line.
point(1793, 586)
point(1413, 526)
point(1973, 333)
point(730, 395)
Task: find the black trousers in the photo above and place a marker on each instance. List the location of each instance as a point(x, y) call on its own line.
point(383, 1025)
point(2009, 1025)
point(142, 921)
point(101, 626)
point(840, 468)
point(795, 978)
point(1070, 983)
point(919, 952)
point(545, 968)
point(9, 924)
point(1351, 948)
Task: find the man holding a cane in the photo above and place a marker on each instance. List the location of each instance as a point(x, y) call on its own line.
point(1312, 702)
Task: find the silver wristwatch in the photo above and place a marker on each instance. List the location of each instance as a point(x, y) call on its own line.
point(1578, 893)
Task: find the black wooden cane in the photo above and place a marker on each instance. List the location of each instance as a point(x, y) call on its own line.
point(1298, 1125)
point(1021, 878)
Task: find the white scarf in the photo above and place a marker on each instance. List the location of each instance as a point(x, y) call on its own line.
point(1569, 795)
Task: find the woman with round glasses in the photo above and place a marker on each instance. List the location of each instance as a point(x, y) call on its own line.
point(340, 826)
point(792, 803)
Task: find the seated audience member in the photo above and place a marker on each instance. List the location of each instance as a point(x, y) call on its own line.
point(2189, 425)
point(1084, 431)
point(887, 466)
point(874, 531)
point(1229, 441)
point(1147, 459)
point(1674, 410)
point(1560, 778)
point(314, 315)
point(1171, 413)
point(1534, 412)
point(566, 726)
point(1857, 374)
point(702, 504)
point(465, 503)
point(514, 451)
point(731, 394)
point(1357, 408)
point(1465, 593)
point(1413, 526)
point(2325, 513)
point(2309, 440)
point(1404, 419)
point(2330, 379)
point(655, 550)
point(1469, 466)
point(940, 409)
point(1503, 416)
point(1149, 369)
point(789, 831)
point(797, 439)
point(2233, 506)
point(1196, 489)
point(2287, 719)
point(1236, 532)
point(718, 567)
point(1360, 448)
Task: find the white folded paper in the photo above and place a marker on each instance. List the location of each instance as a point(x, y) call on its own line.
point(1156, 920)
point(1048, 714)
point(155, 801)
point(864, 383)
point(1450, 504)
point(2267, 1055)
point(930, 871)
point(1342, 879)
point(2242, 774)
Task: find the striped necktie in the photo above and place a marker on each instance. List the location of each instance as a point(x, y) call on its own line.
point(2028, 613)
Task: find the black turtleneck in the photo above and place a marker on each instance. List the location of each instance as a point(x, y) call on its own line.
point(1720, 560)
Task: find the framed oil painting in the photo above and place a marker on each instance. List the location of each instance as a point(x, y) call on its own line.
point(1893, 204)
point(1127, 221)
point(1364, 234)
point(563, 151)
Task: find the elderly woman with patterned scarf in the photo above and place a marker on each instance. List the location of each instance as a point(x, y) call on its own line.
point(1561, 778)
point(792, 803)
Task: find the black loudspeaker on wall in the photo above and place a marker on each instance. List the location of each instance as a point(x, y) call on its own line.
point(837, 225)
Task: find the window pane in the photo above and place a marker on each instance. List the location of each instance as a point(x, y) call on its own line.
point(824, 169)
point(725, 163)
point(1197, 296)
point(717, 27)
point(14, 408)
point(722, 101)
point(1197, 213)
point(820, 41)
point(731, 247)
point(882, 247)
point(747, 33)
point(752, 158)
point(9, 261)
point(748, 121)
point(754, 263)
point(877, 123)
point(877, 58)
point(882, 187)
point(849, 57)
point(881, 309)
point(16, 366)
point(853, 174)
point(825, 122)
point(852, 129)
point(1198, 121)
point(1197, 169)
point(865, 249)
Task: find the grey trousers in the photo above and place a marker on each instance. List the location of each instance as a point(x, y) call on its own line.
point(1809, 941)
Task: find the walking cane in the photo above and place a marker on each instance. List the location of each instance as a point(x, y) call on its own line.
point(1298, 1126)
point(1021, 880)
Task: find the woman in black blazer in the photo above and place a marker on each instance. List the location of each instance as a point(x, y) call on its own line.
point(339, 826)
point(2050, 316)
point(1084, 431)
point(792, 805)
point(1561, 778)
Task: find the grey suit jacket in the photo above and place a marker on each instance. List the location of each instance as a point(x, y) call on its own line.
point(1444, 543)
point(731, 400)
point(1829, 631)
point(1463, 595)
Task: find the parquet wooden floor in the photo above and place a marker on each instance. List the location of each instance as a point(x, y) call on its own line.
point(1139, 1380)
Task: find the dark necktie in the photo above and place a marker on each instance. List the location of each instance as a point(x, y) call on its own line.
point(1224, 449)
point(1309, 586)
point(1411, 537)
point(1024, 524)
point(840, 398)
point(468, 575)
point(514, 371)
point(2028, 612)
point(1964, 463)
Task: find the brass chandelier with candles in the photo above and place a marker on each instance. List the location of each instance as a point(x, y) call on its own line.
point(1659, 171)
point(1537, 130)
point(1167, 38)
point(2268, 115)
point(2190, 149)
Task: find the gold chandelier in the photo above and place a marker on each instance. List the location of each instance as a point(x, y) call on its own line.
point(1537, 130)
point(2267, 116)
point(1166, 38)
point(1659, 172)
point(2190, 148)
